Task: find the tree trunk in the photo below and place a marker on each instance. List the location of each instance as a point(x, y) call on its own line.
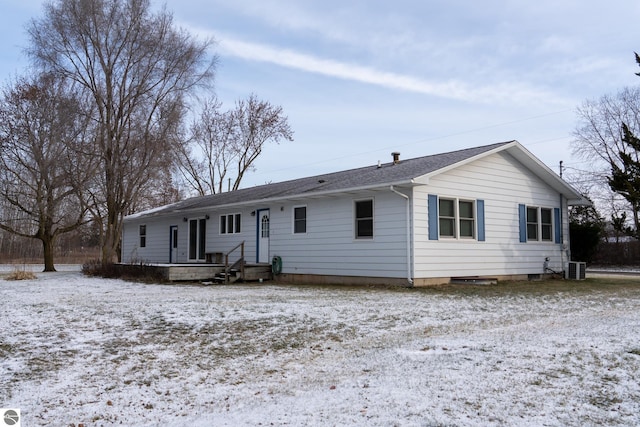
point(111, 241)
point(47, 249)
point(109, 246)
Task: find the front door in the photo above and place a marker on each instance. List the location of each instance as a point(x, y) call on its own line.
point(173, 244)
point(263, 236)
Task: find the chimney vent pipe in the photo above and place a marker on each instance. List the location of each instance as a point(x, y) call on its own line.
point(396, 157)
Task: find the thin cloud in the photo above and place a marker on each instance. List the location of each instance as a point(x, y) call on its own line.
point(451, 89)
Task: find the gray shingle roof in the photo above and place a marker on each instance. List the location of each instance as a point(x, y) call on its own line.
point(368, 176)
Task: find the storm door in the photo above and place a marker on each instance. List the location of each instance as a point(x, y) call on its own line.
point(263, 236)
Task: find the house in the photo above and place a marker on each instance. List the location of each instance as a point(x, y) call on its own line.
point(492, 211)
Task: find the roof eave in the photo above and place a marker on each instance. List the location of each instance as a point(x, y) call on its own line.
point(254, 202)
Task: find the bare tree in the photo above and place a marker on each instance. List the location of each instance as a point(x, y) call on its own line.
point(137, 68)
point(225, 145)
point(599, 137)
point(204, 162)
point(39, 122)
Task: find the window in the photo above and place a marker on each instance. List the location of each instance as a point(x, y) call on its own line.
point(265, 226)
point(364, 219)
point(143, 236)
point(467, 222)
point(546, 224)
point(300, 220)
point(447, 218)
point(230, 224)
point(456, 218)
point(197, 239)
point(537, 224)
point(532, 223)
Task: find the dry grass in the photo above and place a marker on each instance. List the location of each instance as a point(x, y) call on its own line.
point(21, 274)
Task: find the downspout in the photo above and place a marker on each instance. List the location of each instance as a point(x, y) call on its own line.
point(562, 241)
point(409, 278)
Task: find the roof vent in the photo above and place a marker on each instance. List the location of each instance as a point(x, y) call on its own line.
point(396, 157)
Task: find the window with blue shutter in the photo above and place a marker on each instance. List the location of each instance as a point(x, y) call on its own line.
point(453, 218)
point(539, 224)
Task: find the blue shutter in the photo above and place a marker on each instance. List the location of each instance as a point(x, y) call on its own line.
point(480, 209)
point(522, 220)
point(557, 224)
point(433, 216)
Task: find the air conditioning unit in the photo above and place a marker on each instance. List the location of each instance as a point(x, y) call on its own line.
point(577, 270)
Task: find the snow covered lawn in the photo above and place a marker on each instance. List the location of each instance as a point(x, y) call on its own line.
point(77, 350)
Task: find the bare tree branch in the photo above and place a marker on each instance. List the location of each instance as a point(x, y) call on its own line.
point(225, 145)
point(138, 68)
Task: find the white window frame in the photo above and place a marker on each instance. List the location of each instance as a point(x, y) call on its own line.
point(294, 220)
point(236, 223)
point(457, 219)
point(539, 225)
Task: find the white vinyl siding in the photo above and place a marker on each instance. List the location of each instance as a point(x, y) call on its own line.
point(329, 247)
point(158, 238)
point(502, 183)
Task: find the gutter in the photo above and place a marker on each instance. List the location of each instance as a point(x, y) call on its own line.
point(409, 279)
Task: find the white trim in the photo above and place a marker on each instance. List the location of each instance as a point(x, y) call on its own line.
point(457, 219)
point(538, 223)
point(226, 227)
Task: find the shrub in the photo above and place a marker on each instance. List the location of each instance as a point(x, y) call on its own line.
point(97, 268)
point(135, 272)
point(21, 274)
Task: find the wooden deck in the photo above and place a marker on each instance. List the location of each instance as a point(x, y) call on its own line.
point(207, 272)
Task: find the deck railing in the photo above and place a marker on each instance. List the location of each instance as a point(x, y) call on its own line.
point(239, 264)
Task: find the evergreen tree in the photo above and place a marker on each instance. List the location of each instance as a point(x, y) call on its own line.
point(625, 179)
point(585, 229)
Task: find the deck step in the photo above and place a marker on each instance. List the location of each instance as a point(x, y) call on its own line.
point(223, 277)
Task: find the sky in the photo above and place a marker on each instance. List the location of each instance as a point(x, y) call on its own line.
point(361, 79)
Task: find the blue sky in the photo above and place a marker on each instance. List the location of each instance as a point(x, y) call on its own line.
point(360, 79)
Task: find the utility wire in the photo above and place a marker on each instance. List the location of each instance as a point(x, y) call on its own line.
point(435, 138)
